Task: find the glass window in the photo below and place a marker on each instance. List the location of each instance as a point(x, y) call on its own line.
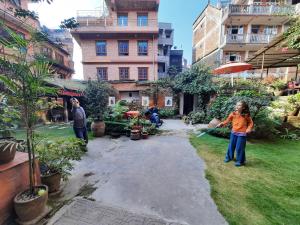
point(101, 48)
point(123, 48)
point(124, 73)
point(270, 30)
point(143, 73)
point(102, 73)
point(123, 20)
point(254, 29)
point(142, 20)
point(142, 48)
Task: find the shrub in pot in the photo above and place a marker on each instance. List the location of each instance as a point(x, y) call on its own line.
point(56, 160)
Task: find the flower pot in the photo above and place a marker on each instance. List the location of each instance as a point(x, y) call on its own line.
point(115, 134)
point(29, 209)
point(137, 127)
point(98, 128)
point(145, 135)
point(135, 135)
point(52, 181)
point(7, 151)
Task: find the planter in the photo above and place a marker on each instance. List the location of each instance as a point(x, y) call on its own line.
point(7, 151)
point(145, 135)
point(137, 127)
point(115, 134)
point(214, 123)
point(52, 181)
point(135, 135)
point(98, 128)
point(28, 210)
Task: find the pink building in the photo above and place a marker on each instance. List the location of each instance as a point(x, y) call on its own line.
point(120, 47)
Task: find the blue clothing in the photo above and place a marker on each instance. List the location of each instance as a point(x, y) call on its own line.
point(81, 133)
point(237, 143)
point(243, 134)
point(79, 117)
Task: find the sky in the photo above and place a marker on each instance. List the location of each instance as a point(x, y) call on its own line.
point(181, 13)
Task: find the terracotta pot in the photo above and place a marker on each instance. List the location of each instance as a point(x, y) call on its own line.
point(98, 128)
point(145, 135)
point(30, 209)
point(137, 127)
point(135, 135)
point(8, 154)
point(52, 181)
point(214, 123)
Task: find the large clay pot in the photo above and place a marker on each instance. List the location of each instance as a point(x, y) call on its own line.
point(135, 135)
point(98, 128)
point(214, 123)
point(52, 181)
point(28, 210)
point(7, 151)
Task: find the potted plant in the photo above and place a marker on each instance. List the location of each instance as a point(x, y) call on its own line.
point(24, 82)
point(8, 145)
point(135, 135)
point(135, 124)
point(96, 99)
point(56, 160)
point(279, 86)
point(144, 133)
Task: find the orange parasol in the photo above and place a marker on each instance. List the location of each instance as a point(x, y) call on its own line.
point(232, 68)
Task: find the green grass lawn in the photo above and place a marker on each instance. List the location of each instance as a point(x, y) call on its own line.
point(52, 131)
point(264, 192)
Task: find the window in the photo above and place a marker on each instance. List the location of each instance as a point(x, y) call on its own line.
point(123, 48)
point(254, 29)
point(59, 58)
point(270, 30)
point(143, 73)
point(142, 48)
point(123, 20)
point(101, 48)
point(111, 101)
point(124, 73)
point(142, 20)
point(233, 57)
point(47, 52)
point(168, 33)
point(102, 73)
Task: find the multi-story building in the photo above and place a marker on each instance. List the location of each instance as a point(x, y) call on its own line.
point(235, 30)
point(165, 43)
point(61, 57)
point(176, 59)
point(120, 47)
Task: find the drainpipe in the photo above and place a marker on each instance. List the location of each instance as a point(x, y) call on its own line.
point(153, 57)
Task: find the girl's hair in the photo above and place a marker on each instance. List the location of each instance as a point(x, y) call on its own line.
point(245, 110)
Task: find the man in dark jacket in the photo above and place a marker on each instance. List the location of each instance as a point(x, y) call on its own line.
point(79, 119)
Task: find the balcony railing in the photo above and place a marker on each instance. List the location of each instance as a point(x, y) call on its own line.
point(259, 10)
point(90, 18)
point(248, 38)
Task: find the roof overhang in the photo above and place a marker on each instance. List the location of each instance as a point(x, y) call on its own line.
point(275, 55)
point(133, 5)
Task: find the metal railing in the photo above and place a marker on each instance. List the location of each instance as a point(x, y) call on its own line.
point(248, 38)
point(96, 18)
point(259, 9)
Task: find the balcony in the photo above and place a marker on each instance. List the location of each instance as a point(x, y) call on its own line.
point(94, 22)
point(134, 5)
point(243, 14)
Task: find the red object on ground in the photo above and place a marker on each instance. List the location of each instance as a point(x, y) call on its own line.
point(14, 179)
point(133, 114)
point(232, 68)
point(71, 93)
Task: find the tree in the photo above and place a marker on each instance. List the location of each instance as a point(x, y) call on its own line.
point(293, 34)
point(172, 71)
point(24, 80)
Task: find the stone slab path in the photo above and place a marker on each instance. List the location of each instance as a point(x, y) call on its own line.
point(162, 176)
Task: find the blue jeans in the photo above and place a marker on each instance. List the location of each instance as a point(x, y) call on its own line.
point(237, 143)
point(81, 133)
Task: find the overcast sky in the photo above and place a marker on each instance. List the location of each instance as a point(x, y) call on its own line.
point(181, 13)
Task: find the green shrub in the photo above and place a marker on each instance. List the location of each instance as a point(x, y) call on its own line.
point(197, 117)
point(279, 85)
point(223, 132)
point(167, 112)
point(216, 110)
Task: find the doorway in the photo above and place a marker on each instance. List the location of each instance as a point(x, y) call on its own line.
point(188, 105)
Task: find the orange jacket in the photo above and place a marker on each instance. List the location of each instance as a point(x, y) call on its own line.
point(239, 123)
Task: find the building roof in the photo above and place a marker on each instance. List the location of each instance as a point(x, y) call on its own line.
point(71, 85)
point(275, 54)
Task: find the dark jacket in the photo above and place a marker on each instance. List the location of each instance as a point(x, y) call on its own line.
point(79, 117)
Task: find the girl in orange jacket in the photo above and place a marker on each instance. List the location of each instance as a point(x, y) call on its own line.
point(242, 125)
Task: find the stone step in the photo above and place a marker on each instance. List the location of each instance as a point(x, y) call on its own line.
point(85, 212)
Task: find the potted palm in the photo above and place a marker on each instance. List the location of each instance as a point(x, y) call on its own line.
point(56, 160)
point(96, 101)
point(24, 82)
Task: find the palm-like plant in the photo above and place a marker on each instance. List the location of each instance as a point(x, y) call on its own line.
point(24, 82)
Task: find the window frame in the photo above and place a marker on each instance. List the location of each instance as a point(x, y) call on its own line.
point(120, 48)
point(122, 19)
point(102, 77)
point(99, 49)
point(142, 19)
point(143, 73)
point(142, 53)
point(126, 76)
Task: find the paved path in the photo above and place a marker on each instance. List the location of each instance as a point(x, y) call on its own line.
point(161, 176)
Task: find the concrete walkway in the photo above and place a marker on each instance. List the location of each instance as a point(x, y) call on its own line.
point(162, 176)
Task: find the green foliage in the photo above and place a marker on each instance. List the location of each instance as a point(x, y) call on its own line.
point(118, 111)
point(172, 71)
point(279, 85)
point(289, 135)
point(197, 117)
point(167, 112)
point(223, 132)
point(23, 13)
point(70, 23)
point(292, 35)
point(151, 130)
point(9, 115)
point(216, 109)
point(294, 101)
point(24, 82)
point(57, 156)
point(96, 99)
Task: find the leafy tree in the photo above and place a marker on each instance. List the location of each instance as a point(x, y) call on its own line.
point(293, 34)
point(172, 71)
point(24, 80)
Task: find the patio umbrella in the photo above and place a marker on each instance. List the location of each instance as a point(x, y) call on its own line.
point(231, 68)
